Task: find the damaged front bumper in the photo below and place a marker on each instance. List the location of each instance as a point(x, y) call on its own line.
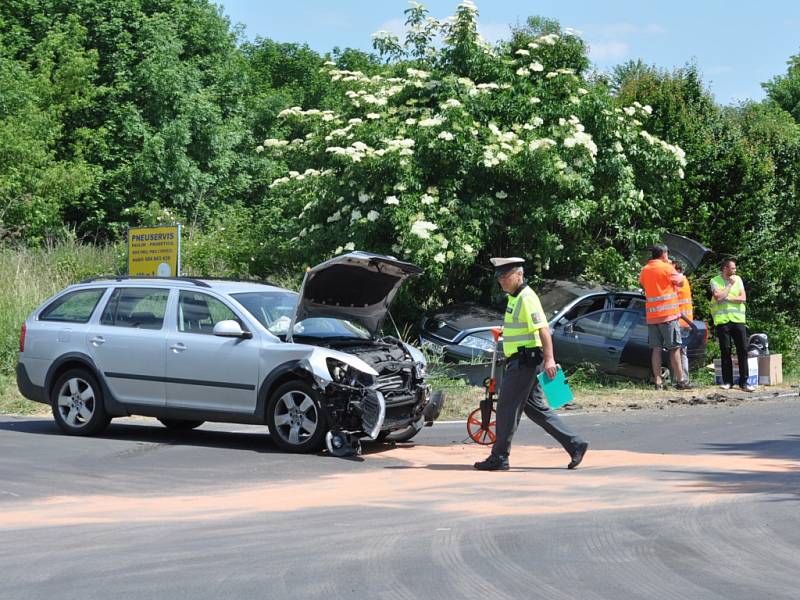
point(355, 410)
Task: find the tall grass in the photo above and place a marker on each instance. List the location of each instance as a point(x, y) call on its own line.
point(29, 276)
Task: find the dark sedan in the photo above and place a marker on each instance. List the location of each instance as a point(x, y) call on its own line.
point(589, 324)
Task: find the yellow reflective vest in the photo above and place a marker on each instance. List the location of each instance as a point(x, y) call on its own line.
point(725, 311)
point(524, 318)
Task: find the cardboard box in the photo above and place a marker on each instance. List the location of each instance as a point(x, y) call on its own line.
point(752, 371)
point(770, 369)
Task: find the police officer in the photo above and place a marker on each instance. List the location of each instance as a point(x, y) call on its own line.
point(528, 348)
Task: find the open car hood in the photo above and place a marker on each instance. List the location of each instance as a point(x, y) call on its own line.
point(686, 250)
point(358, 286)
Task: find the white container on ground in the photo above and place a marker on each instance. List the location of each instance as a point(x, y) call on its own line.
point(752, 371)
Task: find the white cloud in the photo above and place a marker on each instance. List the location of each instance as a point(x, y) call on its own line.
point(327, 18)
point(395, 26)
point(605, 51)
point(616, 30)
point(494, 32)
point(654, 28)
point(719, 70)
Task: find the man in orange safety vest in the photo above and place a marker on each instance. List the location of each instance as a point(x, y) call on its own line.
point(660, 281)
point(686, 320)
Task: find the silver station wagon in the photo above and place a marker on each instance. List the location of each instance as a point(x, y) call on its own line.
point(311, 366)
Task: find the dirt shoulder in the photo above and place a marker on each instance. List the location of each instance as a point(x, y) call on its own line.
point(712, 394)
point(460, 401)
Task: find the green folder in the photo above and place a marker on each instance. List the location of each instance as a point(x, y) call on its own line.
point(556, 390)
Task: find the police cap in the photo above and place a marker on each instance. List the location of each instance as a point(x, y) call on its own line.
point(504, 265)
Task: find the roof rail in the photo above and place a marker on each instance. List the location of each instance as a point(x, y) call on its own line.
point(240, 280)
point(196, 282)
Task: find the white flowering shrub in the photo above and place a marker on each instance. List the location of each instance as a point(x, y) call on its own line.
point(459, 150)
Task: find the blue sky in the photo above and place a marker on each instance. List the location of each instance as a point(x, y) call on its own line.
point(736, 44)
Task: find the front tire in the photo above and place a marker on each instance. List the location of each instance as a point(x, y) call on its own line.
point(77, 403)
point(399, 436)
point(295, 418)
point(180, 424)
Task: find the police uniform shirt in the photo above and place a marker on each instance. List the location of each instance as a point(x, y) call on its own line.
point(523, 320)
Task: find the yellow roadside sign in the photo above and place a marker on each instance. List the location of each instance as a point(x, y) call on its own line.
point(155, 251)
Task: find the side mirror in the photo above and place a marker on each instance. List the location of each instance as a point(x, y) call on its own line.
point(569, 329)
point(231, 328)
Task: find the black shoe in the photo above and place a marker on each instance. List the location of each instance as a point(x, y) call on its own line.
point(684, 385)
point(577, 456)
point(493, 463)
point(659, 387)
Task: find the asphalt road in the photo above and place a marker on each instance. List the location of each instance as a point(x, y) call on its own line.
point(691, 502)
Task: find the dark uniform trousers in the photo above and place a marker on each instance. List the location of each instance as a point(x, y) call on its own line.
point(521, 391)
point(737, 332)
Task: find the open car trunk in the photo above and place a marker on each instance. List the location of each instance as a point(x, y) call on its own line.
point(686, 250)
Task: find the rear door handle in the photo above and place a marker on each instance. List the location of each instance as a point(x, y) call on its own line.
point(612, 350)
point(177, 347)
point(97, 340)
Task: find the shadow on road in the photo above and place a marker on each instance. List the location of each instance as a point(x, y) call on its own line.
point(780, 486)
point(157, 434)
point(787, 448)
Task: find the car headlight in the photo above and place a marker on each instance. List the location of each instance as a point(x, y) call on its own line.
point(338, 370)
point(421, 370)
point(344, 374)
point(479, 343)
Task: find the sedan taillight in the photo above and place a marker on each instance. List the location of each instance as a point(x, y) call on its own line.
point(22, 333)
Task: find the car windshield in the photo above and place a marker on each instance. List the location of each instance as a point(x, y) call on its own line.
point(555, 298)
point(274, 311)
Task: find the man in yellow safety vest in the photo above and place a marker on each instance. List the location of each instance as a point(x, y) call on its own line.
point(728, 310)
point(528, 349)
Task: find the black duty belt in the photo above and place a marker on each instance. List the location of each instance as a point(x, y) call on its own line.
point(525, 354)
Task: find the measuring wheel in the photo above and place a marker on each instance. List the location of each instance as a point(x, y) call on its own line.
point(479, 434)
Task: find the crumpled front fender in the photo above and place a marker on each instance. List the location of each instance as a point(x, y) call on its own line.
point(316, 363)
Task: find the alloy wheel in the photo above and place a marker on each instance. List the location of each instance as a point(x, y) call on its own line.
point(296, 417)
point(76, 402)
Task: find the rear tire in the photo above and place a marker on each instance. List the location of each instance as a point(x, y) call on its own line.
point(295, 418)
point(180, 424)
point(77, 403)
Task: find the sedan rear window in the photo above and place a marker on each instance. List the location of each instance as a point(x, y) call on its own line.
point(75, 307)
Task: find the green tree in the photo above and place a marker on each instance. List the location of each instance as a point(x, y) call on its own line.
point(42, 173)
point(456, 152)
point(160, 116)
point(784, 90)
point(726, 179)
